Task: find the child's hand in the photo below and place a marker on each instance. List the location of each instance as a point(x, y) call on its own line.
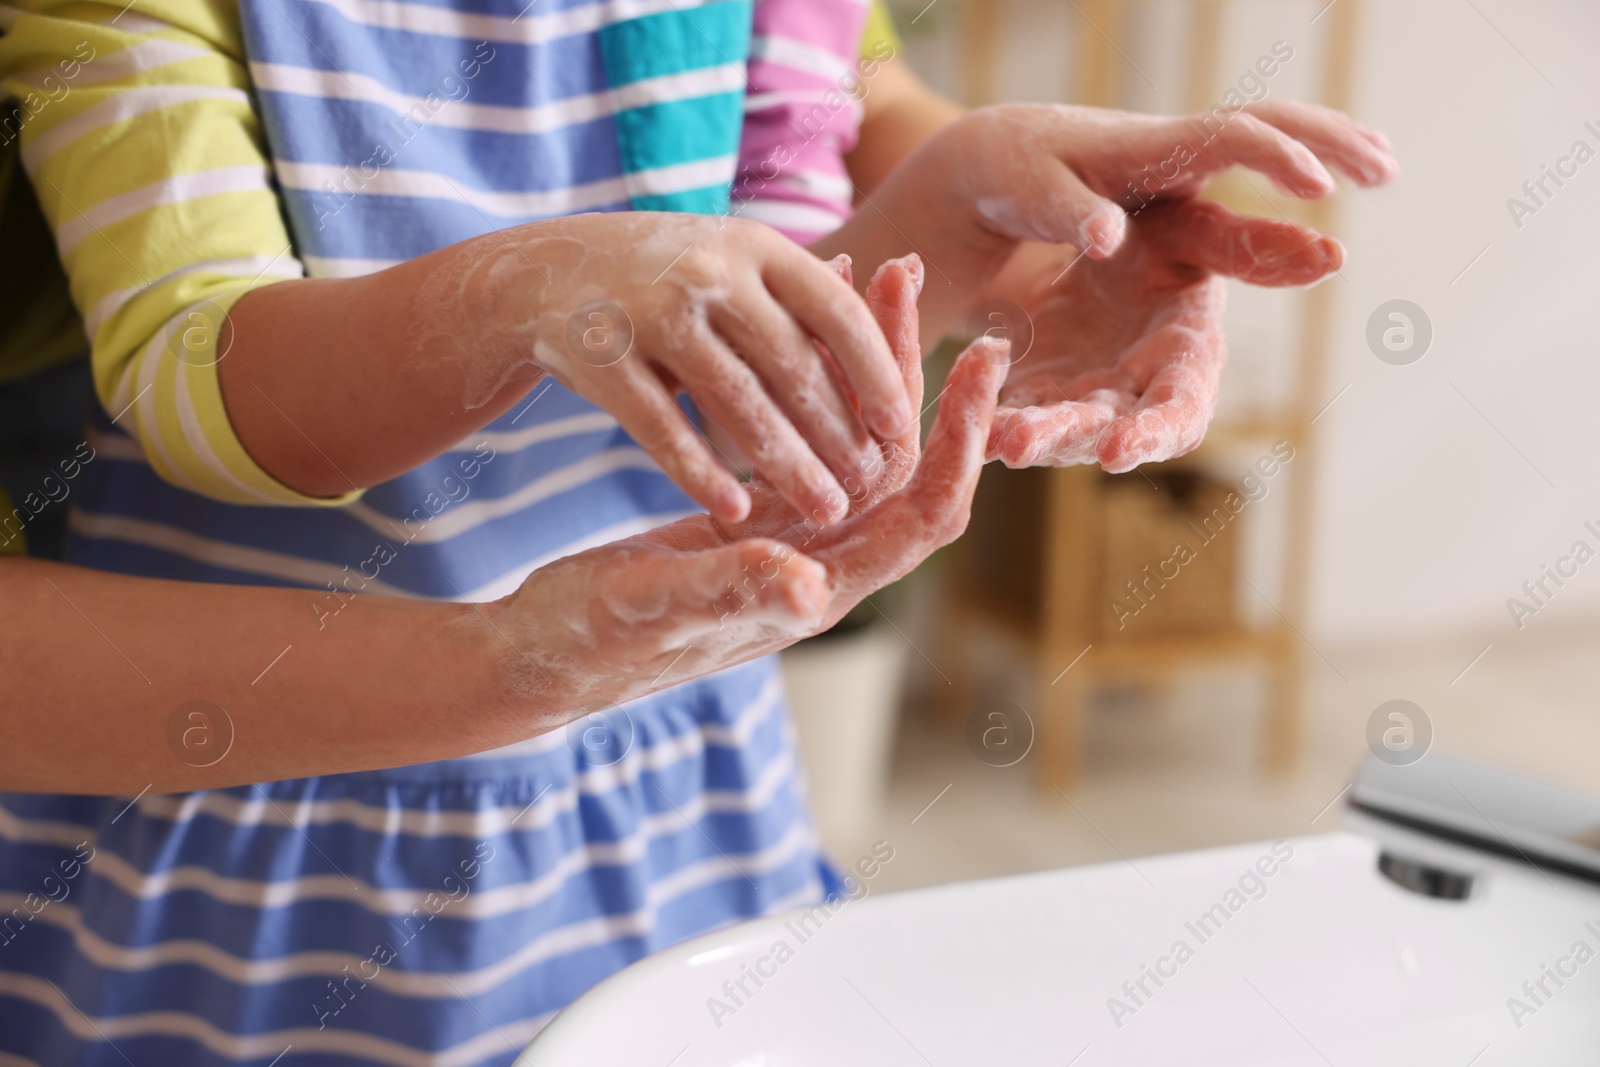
point(632, 309)
point(697, 596)
point(1127, 348)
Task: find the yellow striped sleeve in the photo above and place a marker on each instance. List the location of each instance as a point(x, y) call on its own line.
point(880, 33)
point(137, 131)
point(13, 542)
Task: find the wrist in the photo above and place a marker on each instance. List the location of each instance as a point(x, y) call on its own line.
point(969, 188)
point(922, 208)
point(517, 687)
point(443, 665)
point(478, 304)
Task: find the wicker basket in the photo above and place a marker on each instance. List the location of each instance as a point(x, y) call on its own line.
point(1168, 555)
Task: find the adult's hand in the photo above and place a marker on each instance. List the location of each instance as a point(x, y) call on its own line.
point(1127, 344)
point(1128, 347)
point(1063, 174)
point(1128, 350)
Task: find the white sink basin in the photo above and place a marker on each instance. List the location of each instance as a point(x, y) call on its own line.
point(1325, 962)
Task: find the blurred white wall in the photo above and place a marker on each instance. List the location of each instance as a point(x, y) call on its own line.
point(1447, 483)
point(1433, 514)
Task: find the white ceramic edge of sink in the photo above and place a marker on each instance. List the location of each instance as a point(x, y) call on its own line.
point(559, 1042)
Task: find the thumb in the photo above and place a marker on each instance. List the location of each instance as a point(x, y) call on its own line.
point(1050, 203)
point(763, 581)
point(842, 266)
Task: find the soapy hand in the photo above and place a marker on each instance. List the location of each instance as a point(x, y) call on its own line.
point(633, 309)
point(1128, 351)
point(1127, 344)
point(696, 596)
point(1072, 175)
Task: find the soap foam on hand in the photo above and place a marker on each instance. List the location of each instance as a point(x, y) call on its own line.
point(697, 596)
point(724, 310)
point(1128, 351)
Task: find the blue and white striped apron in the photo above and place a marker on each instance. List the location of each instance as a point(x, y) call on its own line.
point(437, 914)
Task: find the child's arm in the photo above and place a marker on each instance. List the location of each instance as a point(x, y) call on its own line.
point(137, 133)
point(147, 158)
point(116, 685)
point(335, 383)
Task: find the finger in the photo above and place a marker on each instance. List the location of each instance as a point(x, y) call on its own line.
point(660, 427)
point(802, 382)
point(887, 542)
point(829, 309)
point(1152, 435)
point(1052, 435)
point(844, 267)
point(1255, 250)
point(727, 389)
point(1333, 136)
point(1172, 416)
point(773, 583)
point(656, 601)
point(1373, 134)
point(892, 300)
point(1250, 142)
point(1050, 203)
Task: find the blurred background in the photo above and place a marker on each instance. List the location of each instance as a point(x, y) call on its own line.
point(1410, 447)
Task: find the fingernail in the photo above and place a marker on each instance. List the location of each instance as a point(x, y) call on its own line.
point(1106, 230)
point(1323, 176)
point(866, 471)
point(829, 503)
point(733, 505)
point(808, 590)
point(879, 459)
point(918, 273)
point(1333, 252)
point(896, 417)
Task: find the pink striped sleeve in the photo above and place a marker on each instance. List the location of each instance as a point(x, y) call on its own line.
point(802, 114)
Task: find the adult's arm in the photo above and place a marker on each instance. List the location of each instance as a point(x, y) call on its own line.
point(901, 113)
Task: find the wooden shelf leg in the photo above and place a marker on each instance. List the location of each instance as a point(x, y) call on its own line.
point(1284, 710)
point(1069, 555)
point(956, 683)
point(1060, 734)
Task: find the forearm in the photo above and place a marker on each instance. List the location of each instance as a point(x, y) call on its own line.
point(97, 667)
point(895, 215)
point(331, 385)
point(334, 384)
point(906, 216)
point(901, 113)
